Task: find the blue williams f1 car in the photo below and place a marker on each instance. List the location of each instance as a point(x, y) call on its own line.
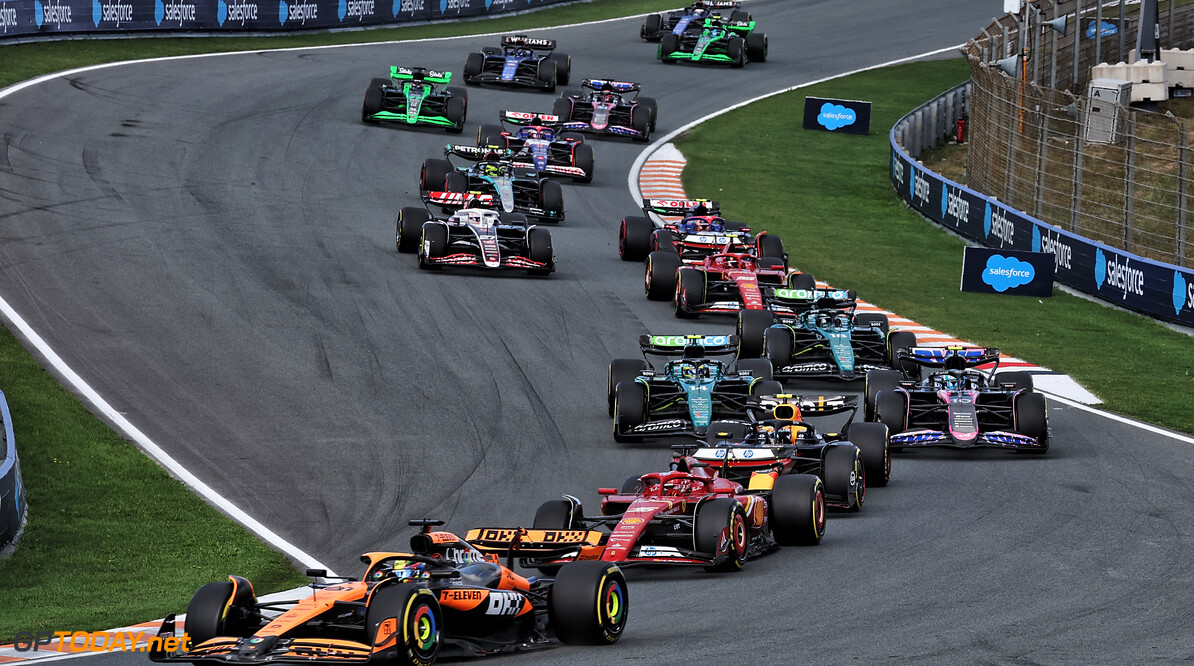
point(522, 61)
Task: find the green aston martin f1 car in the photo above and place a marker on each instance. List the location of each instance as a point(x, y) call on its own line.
point(717, 41)
point(411, 96)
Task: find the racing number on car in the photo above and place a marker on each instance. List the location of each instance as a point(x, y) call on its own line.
point(504, 603)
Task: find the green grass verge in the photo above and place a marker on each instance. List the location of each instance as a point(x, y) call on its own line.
point(23, 61)
point(112, 539)
point(829, 196)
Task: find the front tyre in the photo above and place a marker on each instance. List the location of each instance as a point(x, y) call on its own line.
point(871, 439)
point(660, 277)
point(410, 228)
point(540, 249)
point(588, 603)
point(634, 238)
point(720, 530)
point(404, 624)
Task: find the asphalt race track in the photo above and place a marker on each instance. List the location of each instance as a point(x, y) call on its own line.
point(209, 242)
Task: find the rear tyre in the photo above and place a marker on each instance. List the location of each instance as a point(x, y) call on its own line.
point(797, 510)
point(871, 440)
point(664, 240)
point(414, 612)
point(563, 108)
point(736, 50)
point(622, 370)
point(473, 65)
point(547, 74)
point(630, 408)
point(769, 245)
point(891, 409)
point(877, 380)
point(668, 45)
point(652, 26)
point(456, 182)
point(777, 347)
point(553, 515)
point(634, 238)
point(660, 278)
point(760, 368)
point(434, 175)
point(489, 134)
point(895, 342)
point(756, 47)
point(766, 387)
point(588, 603)
point(651, 106)
point(410, 229)
point(455, 110)
point(739, 15)
point(752, 327)
point(844, 473)
point(1021, 380)
point(690, 292)
point(1032, 418)
point(865, 320)
point(514, 219)
point(721, 522)
point(539, 248)
point(582, 158)
point(804, 281)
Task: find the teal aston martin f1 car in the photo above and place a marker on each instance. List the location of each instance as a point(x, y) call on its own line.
point(411, 96)
point(715, 41)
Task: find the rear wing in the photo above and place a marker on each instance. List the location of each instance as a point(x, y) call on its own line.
point(609, 84)
point(521, 118)
point(534, 543)
point(950, 358)
point(477, 153)
point(529, 42)
point(679, 206)
point(817, 298)
point(821, 405)
point(419, 74)
point(458, 200)
point(676, 345)
point(719, 4)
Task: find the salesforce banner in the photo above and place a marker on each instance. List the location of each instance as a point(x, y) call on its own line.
point(1160, 290)
point(844, 116)
point(1011, 272)
point(26, 18)
point(12, 491)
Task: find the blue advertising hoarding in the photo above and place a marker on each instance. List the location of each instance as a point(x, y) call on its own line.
point(843, 116)
point(31, 18)
point(1011, 272)
point(1154, 288)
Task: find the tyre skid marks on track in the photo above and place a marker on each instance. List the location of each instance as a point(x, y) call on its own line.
point(660, 177)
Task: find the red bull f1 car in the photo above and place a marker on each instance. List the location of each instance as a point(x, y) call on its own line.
point(607, 107)
point(411, 96)
point(445, 598)
point(679, 21)
point(957, 405)
point(687, 516)
point(473, 237)
point(537, 143)
point(521, 61)
point(494, 172)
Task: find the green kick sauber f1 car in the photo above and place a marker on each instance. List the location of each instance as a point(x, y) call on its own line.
point(411, 96)
point(715, 40)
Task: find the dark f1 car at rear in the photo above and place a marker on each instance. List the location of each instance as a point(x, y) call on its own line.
point(444, 598)
point(537, 143)
point(610, 107)
point(473, 237)
point(411, 96)
point(522, 61)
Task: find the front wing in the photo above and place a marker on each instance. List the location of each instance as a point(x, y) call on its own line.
point(525, 75)
point(926, 438)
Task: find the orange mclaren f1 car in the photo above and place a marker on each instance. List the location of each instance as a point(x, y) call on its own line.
point(445, 598)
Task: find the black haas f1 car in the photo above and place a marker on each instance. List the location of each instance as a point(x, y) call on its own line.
point(814, 333)
point(686, 516)
point(473, 237)
point(512, 190)
point(958, 406)
point(679, 21)
point(700, 232)
point(521, 62)
point(688, 393)
point(606, 107)
point(410, 96)
point(445, 598)
point(538, 144)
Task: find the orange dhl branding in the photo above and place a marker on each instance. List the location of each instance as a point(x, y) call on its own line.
point(96, 641)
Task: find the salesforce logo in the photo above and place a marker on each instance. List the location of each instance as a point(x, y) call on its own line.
point(116, 12)
point(1004, 273)
point(457, 5)
point(953, 205)
point(298, 12)
point(51, 13)
point(1106, 29)
point(1183, 293)
point(407, 6)
point(358, 9)
point(997, 223)
point(236, 12)
point(1115, 274)
point(920, 188)
point(8, 17)
point(835, 116)
point(897, 170)
point(1062, 252)
point(173, 12)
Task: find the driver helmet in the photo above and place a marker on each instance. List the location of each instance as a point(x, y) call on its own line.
point(401, 570)
point(531, 133)
point(524, 52)
point(951, 381)
point(688, 371)
point(608, 97)
point(492, 169)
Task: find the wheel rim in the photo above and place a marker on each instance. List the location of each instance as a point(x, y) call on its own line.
point(738, 535)
point(860, 480)
point(819, 512)
point(613, 606)
point(423, 629)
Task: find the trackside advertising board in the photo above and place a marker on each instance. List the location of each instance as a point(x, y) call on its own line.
point(1007, 272)
point(843, 116)
point(30, 18)
point(12, 490)
point(1157, 289)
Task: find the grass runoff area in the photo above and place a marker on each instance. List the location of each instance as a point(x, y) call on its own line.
point(830, 197)
point(112, 539)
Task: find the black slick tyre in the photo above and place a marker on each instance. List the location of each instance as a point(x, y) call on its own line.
point(713, 519)
point(652, 26)
point(844, 474)
point(630, 409)
point(777, 346)
point(582, 158)
point(414, 612)
point(563, 67)
point(872, 440)
point(752, 327)
point(634, 238)
point(434, 244)
point(489, 134)
point(797, 506)
point(622, 370)
point(769, 245)
point(756, 47)
point(410, 228)
point(659, 279)
point(551, 198)
point(553, 515)
point(902, 340)
point(473, 65)
point(372, 104)
point(588, 603)
point(667, 46)
point(434, 174)
point(878, 380)
point(1030, 412)
point(455, 110)
point(539, 248)
point(690, 292)
point(804, 281)
point(736, 50)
